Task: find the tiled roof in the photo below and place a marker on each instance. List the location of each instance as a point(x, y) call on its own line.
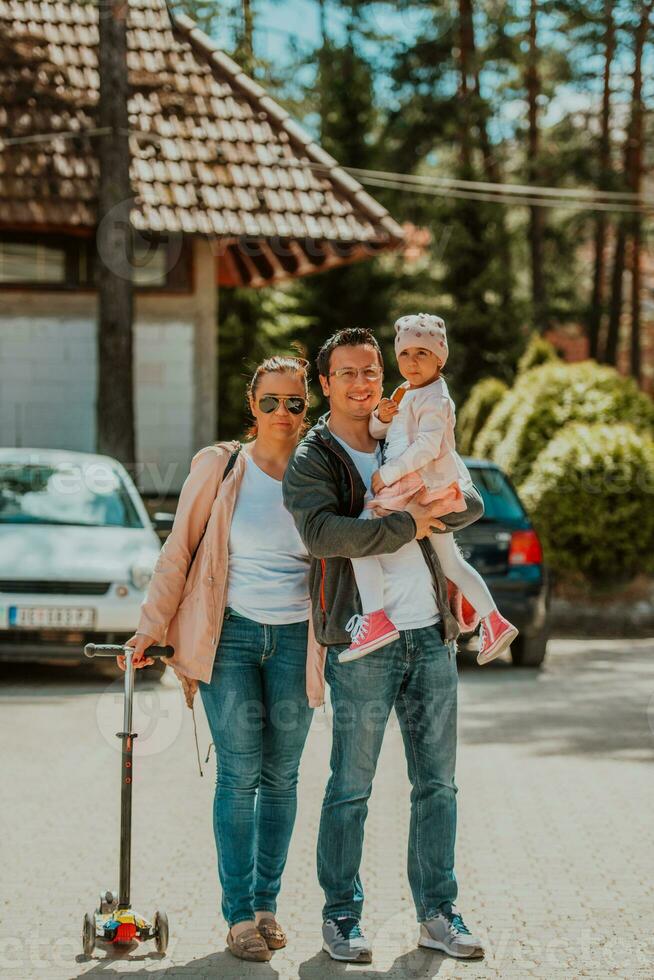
point(212, 153)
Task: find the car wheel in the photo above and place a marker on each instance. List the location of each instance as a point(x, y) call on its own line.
point(529, 651)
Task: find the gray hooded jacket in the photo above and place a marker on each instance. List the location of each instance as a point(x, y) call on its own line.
point(324, 493)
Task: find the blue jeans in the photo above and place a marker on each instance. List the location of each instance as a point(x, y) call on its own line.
point(259, 717)
point(417, 675)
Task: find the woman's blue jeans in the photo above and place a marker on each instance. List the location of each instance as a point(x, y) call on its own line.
point(259, 717)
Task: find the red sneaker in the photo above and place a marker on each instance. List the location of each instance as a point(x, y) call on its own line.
point(368, 633)
point(495, 635)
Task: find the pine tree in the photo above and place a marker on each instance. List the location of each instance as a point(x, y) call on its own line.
point(604, 180)
point(440, 125)
point(632, 176)
point(361, 294)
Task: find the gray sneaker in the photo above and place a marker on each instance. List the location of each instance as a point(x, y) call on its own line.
point(343, 940)
point(448, 932)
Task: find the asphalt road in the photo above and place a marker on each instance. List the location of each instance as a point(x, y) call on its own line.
point(555, 852)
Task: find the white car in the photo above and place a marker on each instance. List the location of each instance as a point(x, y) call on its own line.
point(77, 550)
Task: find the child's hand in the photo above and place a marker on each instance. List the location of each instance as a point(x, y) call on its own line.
point(377, 483)
point(386, 409)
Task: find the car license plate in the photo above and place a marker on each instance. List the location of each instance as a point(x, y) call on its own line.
point(48, 617)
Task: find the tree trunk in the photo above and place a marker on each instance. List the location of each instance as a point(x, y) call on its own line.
point(115, 400)
point(466, 65)
point(604, 180)
point(635, 185)
point(470, 79)
point(597, 295)
point(248, 37)
point(536, 220)
point(635, 351)
point(615, 308)
point(324, 37)
point(491, 169)
point(633, 173)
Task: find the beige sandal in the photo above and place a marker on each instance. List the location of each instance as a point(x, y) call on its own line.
point(250, 945)
point(272, 932)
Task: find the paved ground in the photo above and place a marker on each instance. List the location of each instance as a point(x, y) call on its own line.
point(556, 843)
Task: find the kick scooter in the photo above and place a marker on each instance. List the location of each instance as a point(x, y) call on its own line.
point(114, 920)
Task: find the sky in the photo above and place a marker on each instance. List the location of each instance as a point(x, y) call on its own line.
point(280, 22)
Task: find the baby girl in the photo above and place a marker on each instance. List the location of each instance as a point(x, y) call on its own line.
point(420, 461)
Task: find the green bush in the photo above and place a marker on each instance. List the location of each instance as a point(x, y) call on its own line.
point(591, 496)
point(538, 351)
point(551, 396)
point(483, 398)
point(500, 418)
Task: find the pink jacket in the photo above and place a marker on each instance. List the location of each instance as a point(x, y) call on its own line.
point(185, 607)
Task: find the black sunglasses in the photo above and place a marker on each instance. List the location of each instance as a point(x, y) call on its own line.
point(294, 403)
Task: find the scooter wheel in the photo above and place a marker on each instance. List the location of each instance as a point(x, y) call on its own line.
point(88, 934)
point(161, 931)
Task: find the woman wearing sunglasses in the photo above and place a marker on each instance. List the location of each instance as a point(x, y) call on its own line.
point(239, 622)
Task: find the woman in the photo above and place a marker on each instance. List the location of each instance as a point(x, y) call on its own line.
point(230, 592)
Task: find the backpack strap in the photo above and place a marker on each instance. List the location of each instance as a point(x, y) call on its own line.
point(230, 463)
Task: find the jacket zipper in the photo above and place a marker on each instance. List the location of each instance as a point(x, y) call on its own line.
point(323, 604)
point(323, 561)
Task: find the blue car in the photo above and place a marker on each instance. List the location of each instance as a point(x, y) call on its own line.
point(504, 548)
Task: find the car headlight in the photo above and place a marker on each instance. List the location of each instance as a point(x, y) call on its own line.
point(140, 575)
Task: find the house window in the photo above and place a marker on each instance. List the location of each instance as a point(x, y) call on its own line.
point(24, 262)
point(161, 261)
point(34, 261)
point(149, 263)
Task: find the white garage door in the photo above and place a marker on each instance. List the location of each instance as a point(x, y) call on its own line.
point(48, 382)
point(163, 355)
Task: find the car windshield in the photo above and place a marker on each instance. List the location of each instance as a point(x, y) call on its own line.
point(90, 495)
point(500, 499)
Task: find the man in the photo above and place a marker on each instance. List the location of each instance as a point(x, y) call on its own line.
point(324, 490)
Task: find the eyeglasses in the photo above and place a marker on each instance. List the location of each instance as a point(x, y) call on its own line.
point(293, 403)
point(351, 374)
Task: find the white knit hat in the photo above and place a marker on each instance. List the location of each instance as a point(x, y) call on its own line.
point(422, 330)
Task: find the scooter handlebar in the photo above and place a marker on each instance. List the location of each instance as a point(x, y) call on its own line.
point(119, 650)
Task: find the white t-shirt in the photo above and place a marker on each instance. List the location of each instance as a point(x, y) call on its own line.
point(409, 595)
point(268, 577)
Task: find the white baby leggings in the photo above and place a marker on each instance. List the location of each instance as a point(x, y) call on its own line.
point(370, 577)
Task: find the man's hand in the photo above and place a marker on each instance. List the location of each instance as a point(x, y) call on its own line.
point(422, 515)
point(140, 642)
point(386, 409)
point(377, 483)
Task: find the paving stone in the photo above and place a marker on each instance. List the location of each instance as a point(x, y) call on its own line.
point(555, 855)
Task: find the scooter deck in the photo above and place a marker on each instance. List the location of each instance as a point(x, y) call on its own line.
point(122, 926)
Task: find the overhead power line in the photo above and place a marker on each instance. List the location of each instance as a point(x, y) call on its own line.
point(542, 202)
point(482, 185)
